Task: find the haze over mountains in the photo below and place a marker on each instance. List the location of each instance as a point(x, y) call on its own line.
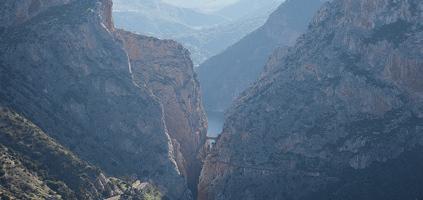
point(203, 33)
point(202, 5)
point(323, 102)
point(224, 76)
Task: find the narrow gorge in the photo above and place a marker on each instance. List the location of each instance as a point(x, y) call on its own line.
point(324, 101)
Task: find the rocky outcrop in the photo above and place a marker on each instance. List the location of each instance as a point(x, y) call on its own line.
point(224, 76)
point(66, 70)
point(334, 117)
point(105, 11)
point(35, 166)
point(165, 67)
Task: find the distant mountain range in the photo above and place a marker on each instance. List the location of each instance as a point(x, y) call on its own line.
point(201, 32)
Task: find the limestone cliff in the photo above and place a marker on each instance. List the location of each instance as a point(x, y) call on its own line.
point(65, 69)
point(165, 67)
point(338, 116)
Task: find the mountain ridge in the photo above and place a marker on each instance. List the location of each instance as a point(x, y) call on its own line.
point(334, 116)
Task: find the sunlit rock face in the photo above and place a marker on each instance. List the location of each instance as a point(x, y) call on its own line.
point(165, 67)
point(334, 117)
point(224, 76)
point(67, 70)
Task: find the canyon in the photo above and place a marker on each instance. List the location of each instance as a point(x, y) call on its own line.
point(324, 101)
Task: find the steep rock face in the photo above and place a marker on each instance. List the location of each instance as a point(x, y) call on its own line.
point(164, 67)
point(105, 12)
point(65, 70)
point(35, 166)
point(334, 117)
point(227, 74)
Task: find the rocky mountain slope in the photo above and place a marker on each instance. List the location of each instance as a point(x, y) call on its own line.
point(66, 69)
point(338, 116)
point(227, 74)
point(34, 166)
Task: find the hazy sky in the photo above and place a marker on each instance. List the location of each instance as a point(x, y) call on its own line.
point(205, 5)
